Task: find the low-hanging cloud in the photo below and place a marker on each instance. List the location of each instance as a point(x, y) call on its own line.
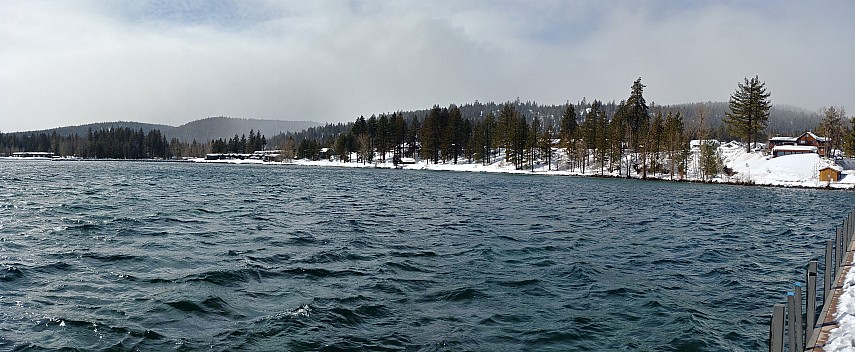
point(66, 63)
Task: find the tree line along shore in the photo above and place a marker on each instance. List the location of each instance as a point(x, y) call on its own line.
point(629, 136)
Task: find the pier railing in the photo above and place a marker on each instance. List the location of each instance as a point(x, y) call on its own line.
point(797, 322)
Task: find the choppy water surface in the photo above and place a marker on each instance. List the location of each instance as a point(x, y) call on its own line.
point(158, 256)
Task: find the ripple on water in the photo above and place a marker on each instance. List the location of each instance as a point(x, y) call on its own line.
point(163, 256)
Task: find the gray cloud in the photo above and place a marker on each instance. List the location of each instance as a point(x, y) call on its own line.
point(65, 63)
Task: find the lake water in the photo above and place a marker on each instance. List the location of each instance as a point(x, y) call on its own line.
point(172, 256)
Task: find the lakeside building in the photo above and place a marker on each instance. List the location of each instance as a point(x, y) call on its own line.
point(830, 173)
point(807, 143)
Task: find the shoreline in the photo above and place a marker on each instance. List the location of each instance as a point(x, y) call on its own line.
point(493, 168)
point(497, 167)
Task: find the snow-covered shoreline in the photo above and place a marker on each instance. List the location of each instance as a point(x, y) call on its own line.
point(795, 171)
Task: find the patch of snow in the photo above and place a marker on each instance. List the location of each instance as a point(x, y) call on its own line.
point(794, 170)
point(842, 338)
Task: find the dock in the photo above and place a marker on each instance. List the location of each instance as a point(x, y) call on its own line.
point(795, 325)
point(827, 321)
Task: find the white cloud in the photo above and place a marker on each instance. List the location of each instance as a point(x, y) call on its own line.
point(64, 63)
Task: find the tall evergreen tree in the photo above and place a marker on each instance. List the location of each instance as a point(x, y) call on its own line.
point(710, 160)
point(638, 113)
point(749, 110)
point(452, 135)
point(849, 140)
point(832, 126)
point(568, 125)
point(545, 143)
point(657, 130)
point(507, 124)
point(533, 135)
point(384, 132)
point(595, 128)
point(674, 140)
point(617, 129)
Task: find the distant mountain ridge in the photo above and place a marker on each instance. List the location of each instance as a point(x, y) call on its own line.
point(203, 130)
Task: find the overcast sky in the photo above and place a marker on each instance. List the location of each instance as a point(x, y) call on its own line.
point(73, 62)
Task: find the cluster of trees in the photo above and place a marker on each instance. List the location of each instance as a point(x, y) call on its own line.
point(242, 144)
point(598, 135)
point(114, 143)
point(125, 143)
point(613, 137)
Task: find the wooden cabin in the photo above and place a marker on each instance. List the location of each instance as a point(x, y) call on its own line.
point(830, 173)
point(807, 139)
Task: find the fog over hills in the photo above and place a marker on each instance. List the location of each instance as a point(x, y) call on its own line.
point(784, 119)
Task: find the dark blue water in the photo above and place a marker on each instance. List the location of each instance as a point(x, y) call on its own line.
point(160, 256)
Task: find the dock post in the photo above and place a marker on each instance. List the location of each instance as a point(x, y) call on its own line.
point(849, 230)
point(776, 329)
point(851, 220)
point(791, 322)
point(811, 300)
point(838, 258)
point(829, 270)
point(800, 329)
point(847, 226)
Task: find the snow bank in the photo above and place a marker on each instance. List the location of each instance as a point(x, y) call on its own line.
point(789, 170)
point(842, 338)
point(797, 170)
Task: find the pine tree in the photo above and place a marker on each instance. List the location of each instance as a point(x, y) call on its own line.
point(637, 113)
point(545, 144)
point(568, 125)
point(832, 126)
point(657, 140)
point(849, 142)
point(413, 138)
point(596, 124)
point(674, 140)
point(399, 134)
point(617, 130)
point(710, 160)
point(452, 135)
point(465, 141)
point(644, 146)
point(384, 131)
point(505, 127)
point(520, 140)
point(749, 110)
point(359, 130)
point(533, 135)
point(428, 136)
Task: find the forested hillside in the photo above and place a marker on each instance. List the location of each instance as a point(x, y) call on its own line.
point(700, 120)
point(203, 130)
point(134, 140)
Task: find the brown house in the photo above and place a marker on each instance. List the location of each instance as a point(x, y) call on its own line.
point(784, 145)
point(830, 173)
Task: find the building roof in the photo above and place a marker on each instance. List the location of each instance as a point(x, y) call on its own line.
point(833, 167)
point(783, 139)
point(795, 148)
point(794, 139)
point(818, 138)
